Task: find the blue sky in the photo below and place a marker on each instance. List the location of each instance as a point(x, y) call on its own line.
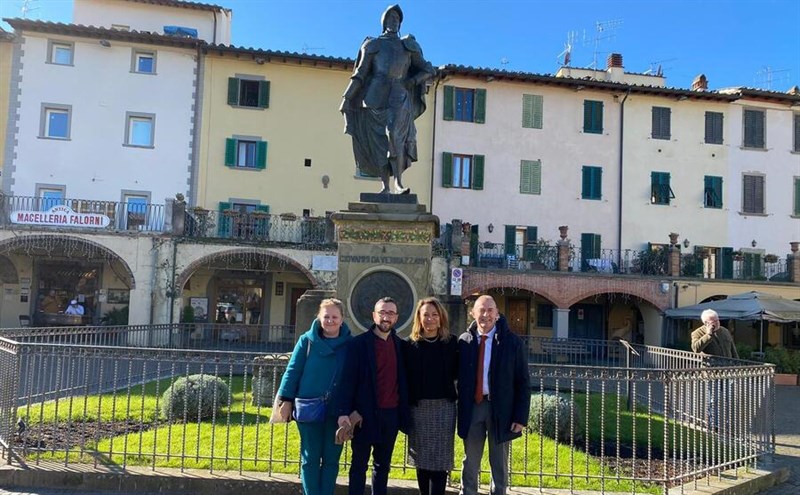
point(753, 43)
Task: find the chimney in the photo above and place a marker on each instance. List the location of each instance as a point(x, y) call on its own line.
point(614, 60)
point(700, 83)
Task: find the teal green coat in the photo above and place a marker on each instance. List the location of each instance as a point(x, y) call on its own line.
point(315, 371)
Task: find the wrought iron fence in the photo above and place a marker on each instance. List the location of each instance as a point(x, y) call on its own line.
point(133, 215)
point(258, 226)
point(628, 418)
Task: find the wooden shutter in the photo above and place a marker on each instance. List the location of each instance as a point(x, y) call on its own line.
point(661, 122)
point(230, 152)
point(714, 127)
point(538, 111)
point(532, 111)
point(797, 196)
point(530, 177)
point(796, 132)
point(223, 222)
point(511, 240)
point(712, 191)
point(480, 106)
point(449, 103)
point(233, 91)
point(261, 155)
point(474, 238)
point(726, 263)
point(752, 268)
point(531, 236)
point(591, 182)
point(590, 249)
point(263, 94)
point(754, 128)
point(753, 194)
point(592, 116)
point(447, 169)
point(477, 172)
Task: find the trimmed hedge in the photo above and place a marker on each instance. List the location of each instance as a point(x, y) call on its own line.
point(550, 416)
point(194, 397)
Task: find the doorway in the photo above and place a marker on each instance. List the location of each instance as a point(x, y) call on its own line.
point(519, 315)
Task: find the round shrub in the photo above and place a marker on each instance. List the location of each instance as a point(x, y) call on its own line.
point(194, 397)
point(545, 408)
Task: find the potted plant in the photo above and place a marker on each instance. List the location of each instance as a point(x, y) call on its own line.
point(787, 364)
point(771, 258)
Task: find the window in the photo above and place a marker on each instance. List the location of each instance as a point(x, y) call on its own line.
point(246, 152)
point(753, 194)
point(140, 130)
point(661, 123)
point(60, 52)
point(714, 128)
point(143, 62)
point(796, 146)
point(50, 196)
point(464, 104)
point(796, 211)
point(532, 111)
point(135, 215)
point(754, 129)
point(591, 253)
point(592, 183)
point(544, 315)
point(660, 190)
point(593, 117)
point(712, 191)
point(55, 121)
point(524, 237)
point(530, 177)
point(243, 220)
point(252, 93)
point(462, 171)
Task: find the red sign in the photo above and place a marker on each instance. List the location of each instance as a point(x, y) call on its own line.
point(60, 216)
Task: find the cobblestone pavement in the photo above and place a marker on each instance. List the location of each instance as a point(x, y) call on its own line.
point(787, 438)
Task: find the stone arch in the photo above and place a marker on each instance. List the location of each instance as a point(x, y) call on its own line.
point(8, 272)
point(42, 245)
point(187, 272)
point(660, 305)
point(523, 284)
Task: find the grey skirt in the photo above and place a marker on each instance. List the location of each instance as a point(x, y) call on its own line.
point(433, 431)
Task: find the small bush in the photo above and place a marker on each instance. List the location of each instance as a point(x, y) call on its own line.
point(785, 361)
point(545, 408)
point(195, 396)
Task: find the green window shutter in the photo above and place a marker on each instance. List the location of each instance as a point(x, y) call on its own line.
point(529, 249)
point(593, 116)
point(525, 170)
point(223, 222)
point(716, 187)
point(661, 123)
point(511, 240)
point(752, 267)
point(714, 127)
point(797, 196)
point(261, 224)
point(474, 238)
point(264, 208)
point(796, 132)
point(592, 182)
point(532, 106)
point(531, 234)
point(536, 177)
point(261, 155)
point(233, 91)
point(597, 124)
point(230, 152)
point(660, 190)
point(712, 191)
point(586, 183)
point(753, 194)
point(449, 103)
point(477, 174)
point(263, 94)
point(480, 106)
point(754, 129)
point(447, 169)
point(590, 249)
point(726, 263)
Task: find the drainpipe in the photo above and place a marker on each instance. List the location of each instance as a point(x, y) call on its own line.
point(173, 291)
point(433, 141)
point(621, 161)
point(214, 39)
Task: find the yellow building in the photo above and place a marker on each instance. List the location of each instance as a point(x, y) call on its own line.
point(271, 136)
point(6, 50)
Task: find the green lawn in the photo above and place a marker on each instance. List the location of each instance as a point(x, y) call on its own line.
point(213, 445)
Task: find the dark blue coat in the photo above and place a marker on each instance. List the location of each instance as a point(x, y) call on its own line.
point(509, 381)
point(359, 392)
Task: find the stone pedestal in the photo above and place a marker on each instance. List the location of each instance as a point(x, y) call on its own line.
point(384, 250)
point(674, 261)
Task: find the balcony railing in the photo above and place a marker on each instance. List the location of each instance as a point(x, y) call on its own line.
point(82, 214)
point(518, 257)
point(258, 226)
point(735, 267)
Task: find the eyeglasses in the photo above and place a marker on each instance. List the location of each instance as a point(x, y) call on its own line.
point(389, 314)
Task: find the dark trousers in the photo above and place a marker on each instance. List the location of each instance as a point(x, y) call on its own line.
point(381, 456)
point(431, 482)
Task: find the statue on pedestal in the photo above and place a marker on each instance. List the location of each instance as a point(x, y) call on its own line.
point(386, 93)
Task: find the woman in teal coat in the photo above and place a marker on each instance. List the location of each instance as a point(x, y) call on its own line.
point(313, 371)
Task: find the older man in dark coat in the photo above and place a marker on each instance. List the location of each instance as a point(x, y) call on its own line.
point(493, 394)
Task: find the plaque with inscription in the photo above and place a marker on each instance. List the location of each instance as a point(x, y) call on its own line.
point(380, 284)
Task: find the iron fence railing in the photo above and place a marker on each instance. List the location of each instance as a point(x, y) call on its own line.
point(517, 257)
point(258, 226)
point(630, 418)
point(132, 215)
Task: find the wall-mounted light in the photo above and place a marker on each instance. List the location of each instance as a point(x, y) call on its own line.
point(490, 228)
point(105, 43)
point(754, 243)
point(686, 243)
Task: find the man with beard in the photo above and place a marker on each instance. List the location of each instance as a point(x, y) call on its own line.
point(374, 386)
point(493, 394)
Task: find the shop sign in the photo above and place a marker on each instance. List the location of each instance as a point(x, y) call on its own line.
point(60, 216)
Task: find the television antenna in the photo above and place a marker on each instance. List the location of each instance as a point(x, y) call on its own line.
point(657, 67)
point(565, 57)
point(307, 48)
point(27, 6)
point(766, 77)
point(603, 31)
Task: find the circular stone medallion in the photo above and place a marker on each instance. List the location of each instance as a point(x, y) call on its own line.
point(379, 284)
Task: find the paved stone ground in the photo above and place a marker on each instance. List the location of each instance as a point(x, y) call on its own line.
point(787, 439)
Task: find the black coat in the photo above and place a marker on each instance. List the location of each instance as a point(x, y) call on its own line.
point(359, 388)
point(509, 381)
point(415, 369)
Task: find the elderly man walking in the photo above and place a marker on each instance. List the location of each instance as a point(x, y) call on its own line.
point(712, 338)
point(493, 394)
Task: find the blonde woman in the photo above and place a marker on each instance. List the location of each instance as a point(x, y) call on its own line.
point(313, 372)
point(431, 369)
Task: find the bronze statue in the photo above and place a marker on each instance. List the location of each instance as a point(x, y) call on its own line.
point(386, 93)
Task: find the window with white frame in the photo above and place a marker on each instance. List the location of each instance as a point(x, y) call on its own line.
point(246, 152)
point(135, 204)
point(143, 62)
point(55, 121)
point(60, 52)
point(140, 129)
point(462, 171)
